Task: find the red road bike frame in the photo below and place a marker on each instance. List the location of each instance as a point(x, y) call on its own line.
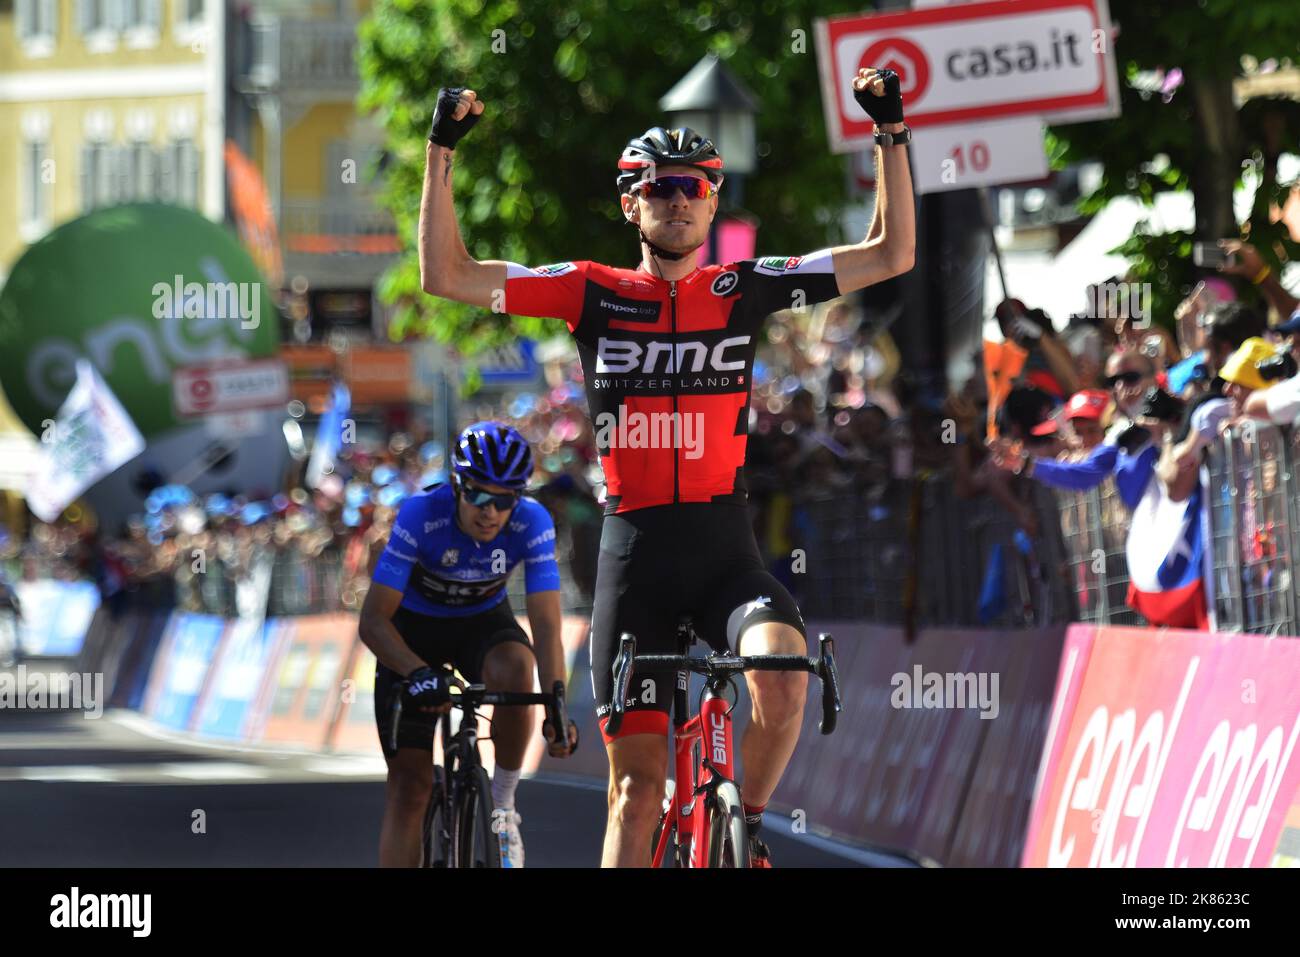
point(707, 733)
point(703, 743)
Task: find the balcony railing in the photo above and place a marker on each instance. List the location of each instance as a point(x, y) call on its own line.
point(331, 226)
point(302, 54)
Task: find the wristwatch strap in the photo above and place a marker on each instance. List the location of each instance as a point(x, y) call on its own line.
point(894, 139)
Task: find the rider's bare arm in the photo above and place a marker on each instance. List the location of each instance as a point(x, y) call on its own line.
point(544, 620)
point(379, 634)
point(446, 267)
point(890, 246)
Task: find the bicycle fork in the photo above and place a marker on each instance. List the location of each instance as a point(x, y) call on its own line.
point(696, 774)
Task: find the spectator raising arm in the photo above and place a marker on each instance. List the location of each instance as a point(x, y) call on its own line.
point(1249, 263)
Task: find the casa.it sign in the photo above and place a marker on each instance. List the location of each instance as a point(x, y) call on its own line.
point(1052, 59)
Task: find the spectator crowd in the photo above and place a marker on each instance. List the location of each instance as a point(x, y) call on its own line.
point(1112, 395)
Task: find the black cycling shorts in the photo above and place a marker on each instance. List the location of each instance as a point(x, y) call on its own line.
point(462, 643)
point(662, 563)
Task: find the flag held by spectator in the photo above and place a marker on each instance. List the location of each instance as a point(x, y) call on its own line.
point(93, 437)
point(329, 436)
point(1165, 556)
point(1003, 361)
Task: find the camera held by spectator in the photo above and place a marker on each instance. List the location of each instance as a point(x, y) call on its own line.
point(1280, 365)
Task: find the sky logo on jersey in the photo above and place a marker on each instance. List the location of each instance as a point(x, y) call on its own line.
point(777, 265)
point(555, 269)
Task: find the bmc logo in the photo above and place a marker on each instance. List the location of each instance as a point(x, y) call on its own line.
point(718, 738)
point(624, 355)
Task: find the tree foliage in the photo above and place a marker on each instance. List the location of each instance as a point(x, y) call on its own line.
point(565, 88)
point(1194, 137)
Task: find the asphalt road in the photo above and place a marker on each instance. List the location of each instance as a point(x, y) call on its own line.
point(115, 792)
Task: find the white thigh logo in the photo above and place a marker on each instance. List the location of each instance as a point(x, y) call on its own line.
point(648, 691)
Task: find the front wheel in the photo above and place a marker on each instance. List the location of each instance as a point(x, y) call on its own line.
point(435, 847)
point(728, 836)
point(476, 845)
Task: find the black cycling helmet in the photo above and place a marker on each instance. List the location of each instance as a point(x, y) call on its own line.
point(662, 147)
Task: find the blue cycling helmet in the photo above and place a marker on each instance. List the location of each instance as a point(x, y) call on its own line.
point(493, 453)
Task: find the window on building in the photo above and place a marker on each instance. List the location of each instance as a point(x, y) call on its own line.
point(142, 171)
point(187, 173)
point(36, 19)
point(35, 197)
point(99, 180)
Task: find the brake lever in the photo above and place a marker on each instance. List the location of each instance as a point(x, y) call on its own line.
point(622, 680)
point(830, 678)
point(560, 715)
point(395, 714)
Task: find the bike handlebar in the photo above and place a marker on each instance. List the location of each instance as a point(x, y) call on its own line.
point(716, 666)
point(472, 696)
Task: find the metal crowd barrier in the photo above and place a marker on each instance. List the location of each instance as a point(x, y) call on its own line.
point(1252, 502)
point(1094, 525)
point(919, 548)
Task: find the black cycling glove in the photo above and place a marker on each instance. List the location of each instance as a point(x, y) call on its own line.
point(426, 688)
point(447, 131)
point(886, 108)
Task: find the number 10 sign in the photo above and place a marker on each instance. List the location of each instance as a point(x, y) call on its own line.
point(986, 153)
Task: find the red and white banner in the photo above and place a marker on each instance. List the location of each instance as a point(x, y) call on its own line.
point(1052, 59)
point(1168, 749)
point(230, 385)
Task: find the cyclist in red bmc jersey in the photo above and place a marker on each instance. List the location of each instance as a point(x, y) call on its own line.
point(667, 351)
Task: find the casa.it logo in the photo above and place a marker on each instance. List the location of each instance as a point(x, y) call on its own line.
point(903, 57)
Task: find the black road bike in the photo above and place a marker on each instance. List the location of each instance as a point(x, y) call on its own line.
point(458, 822)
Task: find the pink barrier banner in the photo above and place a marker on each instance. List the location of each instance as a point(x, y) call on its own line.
point(1178, 752)
point(947, 780)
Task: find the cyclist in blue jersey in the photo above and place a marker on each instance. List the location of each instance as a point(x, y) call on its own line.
point(438, 597)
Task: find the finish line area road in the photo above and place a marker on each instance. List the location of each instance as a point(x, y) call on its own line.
point(116, 792)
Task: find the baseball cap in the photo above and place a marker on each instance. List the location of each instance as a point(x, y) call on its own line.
point(1087, 404)
point(1292, 325)
point(1240, 367)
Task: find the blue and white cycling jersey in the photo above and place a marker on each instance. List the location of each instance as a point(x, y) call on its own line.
point(445, 573)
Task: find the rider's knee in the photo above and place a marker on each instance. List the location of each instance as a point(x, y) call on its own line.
point(778, 695)
point(509, 666)
point(636, 794)
point(410, 788)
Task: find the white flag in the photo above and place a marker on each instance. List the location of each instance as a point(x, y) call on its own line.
point(93, 437)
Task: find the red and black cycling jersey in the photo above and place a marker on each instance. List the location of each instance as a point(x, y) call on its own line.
point(668, 365)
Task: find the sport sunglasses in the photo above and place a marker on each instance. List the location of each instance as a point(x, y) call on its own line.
point(665, 187)
point(1131, 377)
point(481, 498)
